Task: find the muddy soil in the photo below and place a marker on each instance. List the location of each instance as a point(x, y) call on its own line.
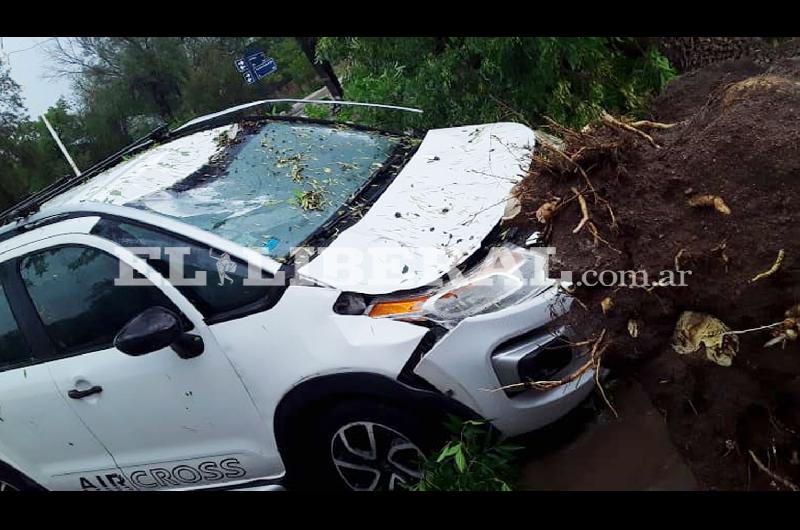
point(737, 137)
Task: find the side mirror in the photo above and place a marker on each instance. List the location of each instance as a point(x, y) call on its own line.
point(151, 330)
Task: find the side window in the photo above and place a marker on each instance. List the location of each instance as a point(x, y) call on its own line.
point(223, 290)
point(72, 288)
point(13, 348)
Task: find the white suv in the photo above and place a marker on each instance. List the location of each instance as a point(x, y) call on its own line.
point(244, 302)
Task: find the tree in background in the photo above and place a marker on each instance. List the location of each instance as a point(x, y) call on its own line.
point(124, 88)
point(174, 79)
point(12, 115)
point(459, 80)
point(38, 153)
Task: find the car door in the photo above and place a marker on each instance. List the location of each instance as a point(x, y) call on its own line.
point(168, 422)
point(39, 434)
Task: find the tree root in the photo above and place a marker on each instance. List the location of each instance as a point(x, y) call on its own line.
point(584, 210)
point(786, 482)
point(678, 259)
point(595, 353)
point(577, 166)
point(652, 124)
point(614, 122)
point(602, 391)
point(772, 270)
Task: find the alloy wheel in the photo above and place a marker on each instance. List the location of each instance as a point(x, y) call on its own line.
point(369, 456)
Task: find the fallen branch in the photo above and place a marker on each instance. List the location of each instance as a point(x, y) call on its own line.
point(772, 270)
point(765, 469)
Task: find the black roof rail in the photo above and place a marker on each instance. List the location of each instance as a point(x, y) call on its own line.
point(31, 203)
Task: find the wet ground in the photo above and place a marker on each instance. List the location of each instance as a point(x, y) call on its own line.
point(592, 450)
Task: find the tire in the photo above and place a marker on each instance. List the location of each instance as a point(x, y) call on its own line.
point(363, 444)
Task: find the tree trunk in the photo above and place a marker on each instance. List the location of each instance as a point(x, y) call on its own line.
point(323, 68)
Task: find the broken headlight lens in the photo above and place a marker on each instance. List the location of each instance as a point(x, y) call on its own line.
point(507, 276)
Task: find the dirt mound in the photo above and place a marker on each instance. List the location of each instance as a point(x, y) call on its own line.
point(688, 93)
point(716, 194)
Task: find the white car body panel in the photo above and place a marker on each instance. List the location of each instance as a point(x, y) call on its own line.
point(471, 379)
point(148, 172)
point(436, 212)
point(271, 355)
point(40, 434)
point(80, 225)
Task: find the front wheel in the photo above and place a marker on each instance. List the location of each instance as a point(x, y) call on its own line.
point(364, 445)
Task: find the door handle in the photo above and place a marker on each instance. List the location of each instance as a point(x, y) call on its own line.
point(80, 394)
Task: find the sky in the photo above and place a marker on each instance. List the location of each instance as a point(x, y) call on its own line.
point(27, 64)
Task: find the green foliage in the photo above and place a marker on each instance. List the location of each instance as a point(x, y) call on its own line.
point(473, 460)
point(460, 80)
point(319, 112)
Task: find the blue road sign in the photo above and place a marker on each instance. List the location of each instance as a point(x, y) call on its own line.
point(255, 65)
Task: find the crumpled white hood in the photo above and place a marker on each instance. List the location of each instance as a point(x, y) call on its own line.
point(434, 215)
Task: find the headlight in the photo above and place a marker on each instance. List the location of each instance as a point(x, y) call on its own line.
point(507, 276)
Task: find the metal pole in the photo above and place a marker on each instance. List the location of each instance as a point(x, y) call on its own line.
point(61, 146)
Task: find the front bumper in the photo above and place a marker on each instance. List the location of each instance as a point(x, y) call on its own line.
point(460, 365)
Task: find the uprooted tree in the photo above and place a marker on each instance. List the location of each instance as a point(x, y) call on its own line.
point(711, 189)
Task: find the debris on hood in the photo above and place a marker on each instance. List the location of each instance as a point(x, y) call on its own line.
point(447, 207)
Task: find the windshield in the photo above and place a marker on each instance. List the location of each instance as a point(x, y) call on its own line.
point(274, 185)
